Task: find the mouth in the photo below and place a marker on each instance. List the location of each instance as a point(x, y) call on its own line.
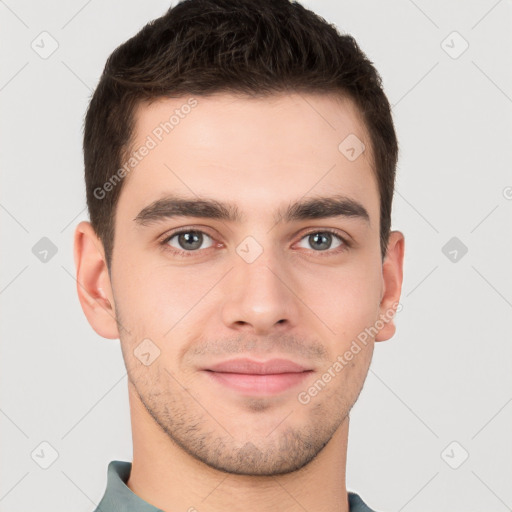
point(252, 377)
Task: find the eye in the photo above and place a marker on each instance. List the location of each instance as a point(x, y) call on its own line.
point(322, 240)
point(189, 240)
point(186, 242)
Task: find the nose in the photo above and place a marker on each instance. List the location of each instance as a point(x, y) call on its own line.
point(259, 297)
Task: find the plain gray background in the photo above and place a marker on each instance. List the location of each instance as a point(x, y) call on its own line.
point(438, 392)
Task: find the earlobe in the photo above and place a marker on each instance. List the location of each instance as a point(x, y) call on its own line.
point(392, 277)
point(93, 282)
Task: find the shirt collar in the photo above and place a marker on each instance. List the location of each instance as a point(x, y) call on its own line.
point(119, 497)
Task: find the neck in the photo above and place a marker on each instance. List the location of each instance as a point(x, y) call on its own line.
point(167, 477)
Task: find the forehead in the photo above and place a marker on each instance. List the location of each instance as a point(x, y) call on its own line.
point(260, 152)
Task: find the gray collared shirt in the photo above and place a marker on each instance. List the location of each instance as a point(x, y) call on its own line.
point(119, 497)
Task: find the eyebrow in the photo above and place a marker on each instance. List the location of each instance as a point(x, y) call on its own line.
point(321, 207)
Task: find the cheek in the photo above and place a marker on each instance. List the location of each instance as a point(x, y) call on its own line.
point(151, 294)
point(346, 298)
point(160, 303)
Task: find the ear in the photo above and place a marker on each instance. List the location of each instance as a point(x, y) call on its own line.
point(392, 276)
point(93, 282)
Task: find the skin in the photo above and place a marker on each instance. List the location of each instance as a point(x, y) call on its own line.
point(197, 443)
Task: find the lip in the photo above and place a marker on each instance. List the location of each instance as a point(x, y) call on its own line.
point(251, 377)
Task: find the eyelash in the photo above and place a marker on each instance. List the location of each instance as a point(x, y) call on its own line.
point(164, 243)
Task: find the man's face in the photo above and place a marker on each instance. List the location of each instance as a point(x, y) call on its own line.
point(246, 314)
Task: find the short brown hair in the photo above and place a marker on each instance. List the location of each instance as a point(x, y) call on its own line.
point(253, 47)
